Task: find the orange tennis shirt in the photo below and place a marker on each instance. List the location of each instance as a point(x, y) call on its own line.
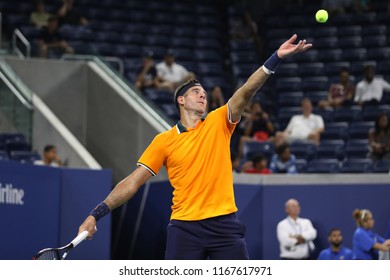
point(198, 164)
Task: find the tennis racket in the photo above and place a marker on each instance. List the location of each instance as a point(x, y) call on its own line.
point(62, 252)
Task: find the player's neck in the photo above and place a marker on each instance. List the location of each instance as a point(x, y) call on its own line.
point(190, 120)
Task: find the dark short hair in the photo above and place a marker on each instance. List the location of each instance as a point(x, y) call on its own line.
point(182, 89)
point(280, 150)
point(333, 230)
point(48, 148)
point(257, 158)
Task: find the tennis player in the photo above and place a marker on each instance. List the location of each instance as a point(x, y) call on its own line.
point(196, 154)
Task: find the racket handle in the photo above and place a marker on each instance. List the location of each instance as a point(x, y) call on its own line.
point(79, 238)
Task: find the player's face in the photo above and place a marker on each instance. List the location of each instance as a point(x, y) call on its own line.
point(369, 222)
point(336, 238)
point(196, 99)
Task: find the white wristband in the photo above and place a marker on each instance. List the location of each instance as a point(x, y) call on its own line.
point(267, 71)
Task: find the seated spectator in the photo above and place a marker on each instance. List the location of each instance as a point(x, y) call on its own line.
point(258, 127)
point(366, 243)
point(283, 161)
point(336, 251)
point(171, 74)
point(215, 98)
point(307, 126)
point(340, 94)
point(68, 14)
point(379, 138)
point(51, 39)
point(147, 73)
point(39, 17)
point(370, 89)
point(50, 157)
point(258, 165)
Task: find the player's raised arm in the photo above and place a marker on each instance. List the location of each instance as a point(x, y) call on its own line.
point(245, 93)
point(122, 192)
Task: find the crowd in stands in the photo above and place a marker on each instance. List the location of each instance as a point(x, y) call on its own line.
point(329, 99)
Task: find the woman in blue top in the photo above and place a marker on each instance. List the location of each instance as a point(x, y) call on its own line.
point(366, 243)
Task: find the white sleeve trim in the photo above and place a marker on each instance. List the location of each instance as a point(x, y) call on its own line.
point(230, 115)
point(150, 170)
point(267, 71)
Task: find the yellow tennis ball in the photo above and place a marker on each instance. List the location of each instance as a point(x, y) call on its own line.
point(322, 16)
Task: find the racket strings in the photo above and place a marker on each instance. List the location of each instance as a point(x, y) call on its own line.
point(49, 255)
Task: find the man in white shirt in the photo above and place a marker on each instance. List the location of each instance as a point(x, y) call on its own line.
point(170, 73)
point(370, 89)
point(295, 234)
point(307, 126)
point(50, 157)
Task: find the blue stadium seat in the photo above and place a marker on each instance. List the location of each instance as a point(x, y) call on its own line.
point(366, 18)
point(208, 56)
point(358, 66)
point(301, 164)
point(323, 166)
point(316, 96)
point(315, 83)
point(326, 43)
point(359, 130)
point(278, 33)
point(182, 42)
point(308, 56)
point(374, 41)
point(204, 32)
point(335, 130)
point(12, 145)
point(372, 30)
point(171, 111)
point(25, 156)
point(252, 148)
point(287, 69)
point(311, 69)
point(382, 166)
point(207, 43)
point(331, 55)
point(384, 67)
point(244, 57)
point(342, 20)
point(350, 42)
point(357, 165)
point(284, 114)
point(326, 113)
point(293, 84)
point(371, 112)
point(333, 68)
point(158, 95)
point(185, 31)
point(331, 149)
point(304, 149)
point(379, 53)
point(349, 30)
point(157, 40)
point(326, 31)
point(290, 99)
point(353, 54)
point(357, 148)
point(242, 45)
point(3, 155)
point(348, 114)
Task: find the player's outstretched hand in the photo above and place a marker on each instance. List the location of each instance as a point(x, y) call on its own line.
point(289, 48)
point(89, 225)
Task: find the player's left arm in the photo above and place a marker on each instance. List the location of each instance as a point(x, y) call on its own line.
point(245, 93)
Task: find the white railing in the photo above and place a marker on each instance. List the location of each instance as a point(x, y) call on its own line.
point(18, 35)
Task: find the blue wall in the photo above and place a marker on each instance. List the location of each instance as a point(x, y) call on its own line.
point(261, 207)
point(55, 203)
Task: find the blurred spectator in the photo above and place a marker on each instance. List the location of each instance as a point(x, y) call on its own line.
point(258, 127)
point(370, 89)
point(338, 6)
point(147, 73)
point(39, 17)
point(215, 98)
point(258, 165)
point(379, 138)
point(245, 28)
point(170, 73)
point(367, 243)
point(283, 161)
point(336, 251)
point(307, 126)
point(51, 39)
point(68, 14)
point(50, 157)
point(295, 234)
point(340, 94)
